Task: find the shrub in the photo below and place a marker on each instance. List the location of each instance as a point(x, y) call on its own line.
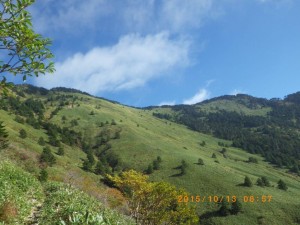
point(247, 182)
point(47, 157)
point(200, 161)
point(43, 177)
point(282, 185)
point(41, 141)
point(3, 137)
point(23, 133)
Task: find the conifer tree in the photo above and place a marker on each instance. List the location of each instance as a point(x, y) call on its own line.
point(247, 182)
point(3, 136)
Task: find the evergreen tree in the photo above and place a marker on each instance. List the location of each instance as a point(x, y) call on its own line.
point(203, 143)
point(259, 182)
point(3, 137)
point(60, 151)
point(156, 165)
point(224, 209)
point(282, 185)
point(23, 133)
point(87, 166)
point(247, 182)
point(100, 168)
point(43, 177)
point(149, 170)
point(183, 167)
point(90, 157)
point(265, 181)
point(113, 122)
point(159, 159)
point(214, 156)
point(295, 168)
point(236, 207)
point(47, 156)
point(200, 161)
point(41, 141)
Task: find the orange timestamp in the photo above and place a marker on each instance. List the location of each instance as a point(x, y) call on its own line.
point(228, 198)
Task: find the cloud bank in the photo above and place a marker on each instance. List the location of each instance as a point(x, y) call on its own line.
point(132, 62)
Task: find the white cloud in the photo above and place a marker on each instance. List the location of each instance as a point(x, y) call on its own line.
point(128, 15)
point(200, 96)
point(178, 14)
point(167, 103)
point(132, 62)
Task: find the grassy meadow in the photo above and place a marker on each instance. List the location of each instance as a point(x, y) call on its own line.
point(143, 137)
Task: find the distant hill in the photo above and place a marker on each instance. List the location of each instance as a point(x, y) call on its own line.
point(207, 148)
point(260, 126)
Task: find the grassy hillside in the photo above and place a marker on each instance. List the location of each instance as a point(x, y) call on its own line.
point(143, 137)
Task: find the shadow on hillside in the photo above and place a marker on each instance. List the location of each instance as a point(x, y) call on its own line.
point(209, 215)
point(176, 175)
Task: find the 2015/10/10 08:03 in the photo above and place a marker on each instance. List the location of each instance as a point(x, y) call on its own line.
point(228, 198)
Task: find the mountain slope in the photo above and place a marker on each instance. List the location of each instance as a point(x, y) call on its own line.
point(142, 137)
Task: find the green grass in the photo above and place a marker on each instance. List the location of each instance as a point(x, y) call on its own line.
point(144, 137)
point(64, 203)
point(19, 191)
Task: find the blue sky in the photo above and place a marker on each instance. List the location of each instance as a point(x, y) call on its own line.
point(151, 52)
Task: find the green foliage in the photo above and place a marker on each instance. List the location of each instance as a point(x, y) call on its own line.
point(214, 156)
point(67, 205)
point(117, 135)
point(183, 167)
point(224, 209)
point(203, 143)
point(247, 182)
point(60, 151)
point(252, 160)
point(200, 161)
point(236, 207)
point(47, 157)
point(41, 141)
point(43, 176)
point(146, 204)
point(3, 136)
point(259, 182)
point(74, 122)
point(19, 119)
point(149, 169)
point(23, 133)
point(27, 52)
point(282, 185)
point(265, 181)
point(17, 189)
point(113, 122)
point(87, 165)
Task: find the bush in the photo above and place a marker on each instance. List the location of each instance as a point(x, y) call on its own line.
point(236, 207)
point(200, 161)
point(47, 157)
point(43, 177)
point(214, 156)
point(41, 141)
point(3, 137)
point(149, 170)
point(247, 182)
point(282, 185)
point(252, 160)
point(67, 205)
point(23, 133)
point(60, 151)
